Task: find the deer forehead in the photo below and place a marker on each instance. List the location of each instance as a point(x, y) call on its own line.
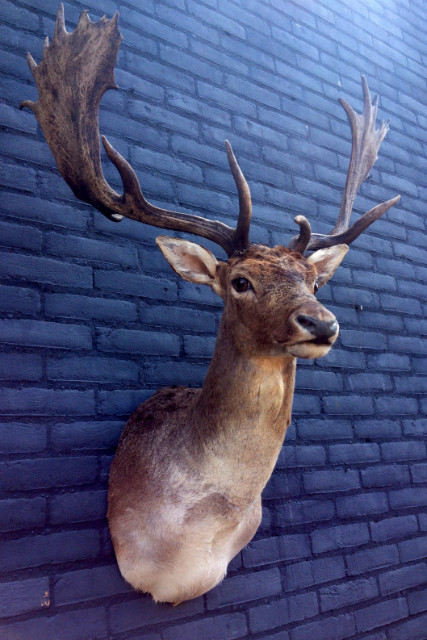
point(270, 265)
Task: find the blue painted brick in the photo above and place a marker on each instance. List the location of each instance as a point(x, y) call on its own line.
point(232, 625)
point(282, 485)
point(184, 373)
point(372, 559)
point(330, 429)
point(46, 402)
point(396, 406)
point(88, 584)
point(45, 270)
point(22, 513)
point(419, 473)
point(304, 511)
point(378, 429)
point(406, 498)
point(301, 456)
point(198, 346)
point(137, 613)
point(85, 435)
point(415, 427)
point(312, 572)
point(330, 628)
point(401, 305)
point(53, 548)
point(330, 481)
point(42, 473)
point(93, 368)
point(83, 506)
point(391, 528)
point(402, 451)
point(380, 614)
point(19, 299)
point(390, 362)
point(269, 550)
point(410, 385)
point(370, 382)
point(318, 380)
point(94, 250)
point(402, 578)
point(413, 549)
point(135, 285)
point(218, 57)
point(120, 402)
point(390, 475)
point(36, 333)
point(260, 584)
point(18, 437)
point(137, 342)
point(20, 366)
point(353, 453)
point(348, 593)
point(85, 307)
point(151, 27)
point(413, 629)
point(281, 612)
point(348, 405)
point(46, 213)
point(81, 624)
point(303, 404)
point(12, 175)
point(181, 318)
point(417, 601)
point(216, 19)
point(22, 596)
point(362, 505)
point(341, 537)
point(20, 236)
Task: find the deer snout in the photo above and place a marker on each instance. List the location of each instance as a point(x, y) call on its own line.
point(321, 330)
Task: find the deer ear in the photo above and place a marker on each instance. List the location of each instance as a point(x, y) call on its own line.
point(327, 261)
point(191, 261)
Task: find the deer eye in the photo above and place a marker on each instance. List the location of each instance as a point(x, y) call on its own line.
point(316, 287)
point(241, 285)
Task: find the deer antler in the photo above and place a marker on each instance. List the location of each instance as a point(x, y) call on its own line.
point(366, 143)
point(76, 70)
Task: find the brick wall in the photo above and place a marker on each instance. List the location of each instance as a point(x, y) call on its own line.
point(93, 319)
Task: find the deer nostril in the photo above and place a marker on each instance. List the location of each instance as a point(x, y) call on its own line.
point(318, 328)
point(306, 322)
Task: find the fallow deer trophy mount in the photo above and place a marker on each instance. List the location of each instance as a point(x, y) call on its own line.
point(185, 485)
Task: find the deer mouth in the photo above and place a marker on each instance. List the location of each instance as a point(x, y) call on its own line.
point(322, 341)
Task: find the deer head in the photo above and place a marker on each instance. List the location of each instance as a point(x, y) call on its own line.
point(269, 294)
point(176, 520)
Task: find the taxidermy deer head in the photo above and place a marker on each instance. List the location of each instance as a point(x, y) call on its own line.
point(185, 485)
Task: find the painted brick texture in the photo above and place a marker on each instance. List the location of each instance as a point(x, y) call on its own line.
point(92, 319)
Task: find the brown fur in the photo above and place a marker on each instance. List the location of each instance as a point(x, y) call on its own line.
point(185, 484)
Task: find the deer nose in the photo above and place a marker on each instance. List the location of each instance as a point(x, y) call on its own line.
point(320, 329)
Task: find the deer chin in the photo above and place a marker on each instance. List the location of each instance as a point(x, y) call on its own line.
point(309, 349)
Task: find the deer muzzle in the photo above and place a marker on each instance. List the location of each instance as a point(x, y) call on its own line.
point(321, 330)
point(315, 330)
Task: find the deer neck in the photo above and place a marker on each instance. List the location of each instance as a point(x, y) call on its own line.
point(244, 407)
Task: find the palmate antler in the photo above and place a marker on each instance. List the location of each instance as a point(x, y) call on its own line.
point(366, 143)
point(76, 70)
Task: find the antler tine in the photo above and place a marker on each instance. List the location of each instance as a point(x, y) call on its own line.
point(300, 243)
point(67, 112)
point(366, 141)
point(241, 234)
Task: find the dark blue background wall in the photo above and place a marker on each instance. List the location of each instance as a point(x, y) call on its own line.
point(93, 319)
